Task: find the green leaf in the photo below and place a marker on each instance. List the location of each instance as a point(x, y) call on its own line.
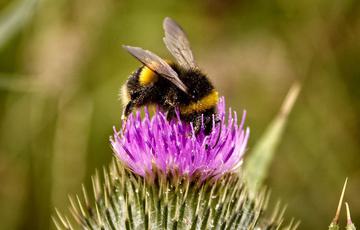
point(258, 162)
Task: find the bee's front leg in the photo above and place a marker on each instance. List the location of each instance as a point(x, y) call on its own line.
point(127, 110)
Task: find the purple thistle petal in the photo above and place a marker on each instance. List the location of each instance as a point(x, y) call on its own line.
point(172, 146)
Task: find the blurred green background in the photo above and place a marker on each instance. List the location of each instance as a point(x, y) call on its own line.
point(61, 67)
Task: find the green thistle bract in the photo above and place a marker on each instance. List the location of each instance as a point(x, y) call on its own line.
point(127, 201)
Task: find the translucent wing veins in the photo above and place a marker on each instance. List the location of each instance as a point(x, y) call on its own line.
point(178, 44)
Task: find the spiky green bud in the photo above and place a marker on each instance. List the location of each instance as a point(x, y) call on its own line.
point(127, 201)
point(349, 225)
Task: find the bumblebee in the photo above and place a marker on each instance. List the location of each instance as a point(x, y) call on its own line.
point(172, 86)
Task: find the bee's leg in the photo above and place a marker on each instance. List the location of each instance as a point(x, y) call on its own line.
point(127, 110)
point(171, 105)
point(170, 113)
point(219, 133)
point(208, 124)
point(197, 123)
point(217, 121)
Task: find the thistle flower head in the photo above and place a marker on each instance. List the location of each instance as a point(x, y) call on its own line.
point(153, 145)
point(166, 152)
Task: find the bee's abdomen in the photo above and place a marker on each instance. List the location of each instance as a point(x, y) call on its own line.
point(207, 102)
point(202, 95)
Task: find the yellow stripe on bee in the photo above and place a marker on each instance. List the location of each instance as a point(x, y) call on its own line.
point(147, 76)
point(203, 104)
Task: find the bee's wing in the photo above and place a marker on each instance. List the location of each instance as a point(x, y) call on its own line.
point(178, 44)
point(156, 64)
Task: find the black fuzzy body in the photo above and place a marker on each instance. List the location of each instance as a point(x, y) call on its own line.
point(169, 97)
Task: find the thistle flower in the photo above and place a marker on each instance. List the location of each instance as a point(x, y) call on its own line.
point(154, 145)
point(175, 159)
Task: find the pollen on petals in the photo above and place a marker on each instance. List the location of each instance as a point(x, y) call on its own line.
point(152, 145)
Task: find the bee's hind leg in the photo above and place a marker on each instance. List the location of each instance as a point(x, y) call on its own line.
point(197, 124)
point(170, 114)
point(205, 122)
point(171, 105)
